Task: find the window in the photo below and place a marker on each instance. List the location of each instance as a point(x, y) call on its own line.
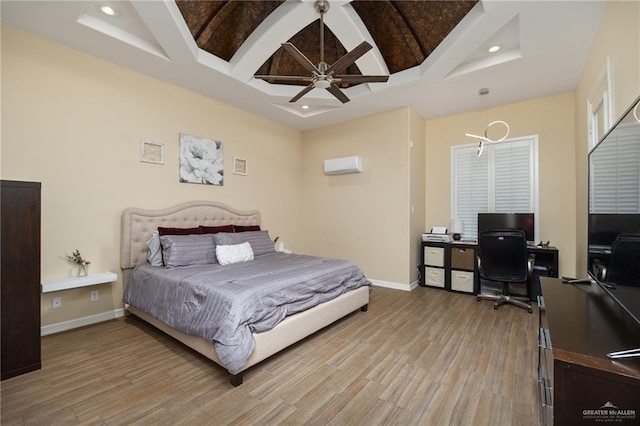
point(599, 106)
point(503, 180)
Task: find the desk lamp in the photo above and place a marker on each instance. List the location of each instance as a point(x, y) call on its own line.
point(456, 227)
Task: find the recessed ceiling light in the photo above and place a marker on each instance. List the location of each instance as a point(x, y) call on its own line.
point(108, 10)
point(494, 48)
point(305, 106)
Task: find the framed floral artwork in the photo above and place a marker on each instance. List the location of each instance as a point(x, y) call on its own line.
point(201, 160)
point(240, 166)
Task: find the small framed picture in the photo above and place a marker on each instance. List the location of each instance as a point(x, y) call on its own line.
point(239, 166)
point(151, 152)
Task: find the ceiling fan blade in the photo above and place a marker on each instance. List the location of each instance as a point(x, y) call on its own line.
point(335, 91)
point(302, 93)
point(283, 78)
point(306, 63)
point(361, 78)
point(348, 59)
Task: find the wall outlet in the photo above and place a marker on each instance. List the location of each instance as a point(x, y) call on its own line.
point(57, 302)
point(95, 295)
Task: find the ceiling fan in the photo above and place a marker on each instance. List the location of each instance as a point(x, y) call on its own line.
point(324, 76)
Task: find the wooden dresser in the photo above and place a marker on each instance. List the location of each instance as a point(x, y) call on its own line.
point(579, 385)
point(20, 275)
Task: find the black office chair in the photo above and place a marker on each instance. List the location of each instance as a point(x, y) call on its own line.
point(503, 259)
point(624, 266)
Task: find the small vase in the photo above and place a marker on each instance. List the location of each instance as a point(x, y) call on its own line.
point(82, 270)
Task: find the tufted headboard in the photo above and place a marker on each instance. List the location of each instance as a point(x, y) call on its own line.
point(139, 224)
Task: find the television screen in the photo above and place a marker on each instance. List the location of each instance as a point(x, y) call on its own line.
point(614, 210)
point(522, 221)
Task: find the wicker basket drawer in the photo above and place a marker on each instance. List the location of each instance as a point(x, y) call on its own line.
point(434, 277)
point(462, 281)
point(434, 256)
point(463, 258)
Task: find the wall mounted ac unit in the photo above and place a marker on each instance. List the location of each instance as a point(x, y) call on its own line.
point(343, 166)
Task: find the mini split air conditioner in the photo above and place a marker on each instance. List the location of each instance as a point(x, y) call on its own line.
point(343, 166)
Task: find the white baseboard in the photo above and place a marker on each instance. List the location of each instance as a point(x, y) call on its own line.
point(395, 286)
point(80, 322)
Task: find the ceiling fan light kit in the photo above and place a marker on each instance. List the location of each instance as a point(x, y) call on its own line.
point(323, 75)
point(486, 138)
point(486, 131)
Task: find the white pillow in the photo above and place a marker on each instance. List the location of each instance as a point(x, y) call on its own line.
point(154, 250)
point(234, 253)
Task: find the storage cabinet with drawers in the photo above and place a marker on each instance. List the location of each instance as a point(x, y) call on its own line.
point(451, 266)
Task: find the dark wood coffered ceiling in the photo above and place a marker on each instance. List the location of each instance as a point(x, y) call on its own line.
point(405, 32)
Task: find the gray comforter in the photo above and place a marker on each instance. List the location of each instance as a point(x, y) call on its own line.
point(226, 304)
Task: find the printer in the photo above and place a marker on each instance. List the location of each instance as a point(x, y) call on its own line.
point(438, 234)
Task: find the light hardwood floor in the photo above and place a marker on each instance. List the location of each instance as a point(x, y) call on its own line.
point(425, 357)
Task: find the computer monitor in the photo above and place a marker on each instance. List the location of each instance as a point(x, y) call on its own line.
point(522, 221)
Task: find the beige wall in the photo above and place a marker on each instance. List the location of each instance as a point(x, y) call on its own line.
point(619, 39)
point(362, 217)
point(417, 191)
point(552, 119)
point(74, 123)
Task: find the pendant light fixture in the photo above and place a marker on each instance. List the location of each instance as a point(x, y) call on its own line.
point(483, 92)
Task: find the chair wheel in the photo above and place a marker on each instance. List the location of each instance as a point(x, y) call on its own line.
point(478, 298)
point(530, 310)
point(495, 306)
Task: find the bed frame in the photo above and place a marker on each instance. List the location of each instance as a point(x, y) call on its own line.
point(139, 224)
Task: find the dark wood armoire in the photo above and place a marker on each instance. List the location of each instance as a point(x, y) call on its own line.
point(20, 277)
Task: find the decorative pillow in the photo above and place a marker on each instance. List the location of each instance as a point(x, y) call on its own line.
point(215, 229)
point(260, 241)
point(241, 228)
point(178, 231)
point(154, 250)
point(227, 239)
point(236, 253)
point(184, 250)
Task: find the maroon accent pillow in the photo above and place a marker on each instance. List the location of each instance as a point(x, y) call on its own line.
point(215, 229)
point(240, 228)
point(178, 231)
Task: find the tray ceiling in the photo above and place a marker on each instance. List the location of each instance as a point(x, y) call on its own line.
point(434, 51)
point(405, 32)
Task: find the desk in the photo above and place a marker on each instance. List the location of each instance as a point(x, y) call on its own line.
point(453, 267)
point(545, 265)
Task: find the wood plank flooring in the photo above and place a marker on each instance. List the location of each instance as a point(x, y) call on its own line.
point(425, 357)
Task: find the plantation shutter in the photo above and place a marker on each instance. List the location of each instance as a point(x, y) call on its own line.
point(470, 175)
point(513, 183)
point(502, 180)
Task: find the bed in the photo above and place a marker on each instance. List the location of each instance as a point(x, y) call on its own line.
point(138, 225)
